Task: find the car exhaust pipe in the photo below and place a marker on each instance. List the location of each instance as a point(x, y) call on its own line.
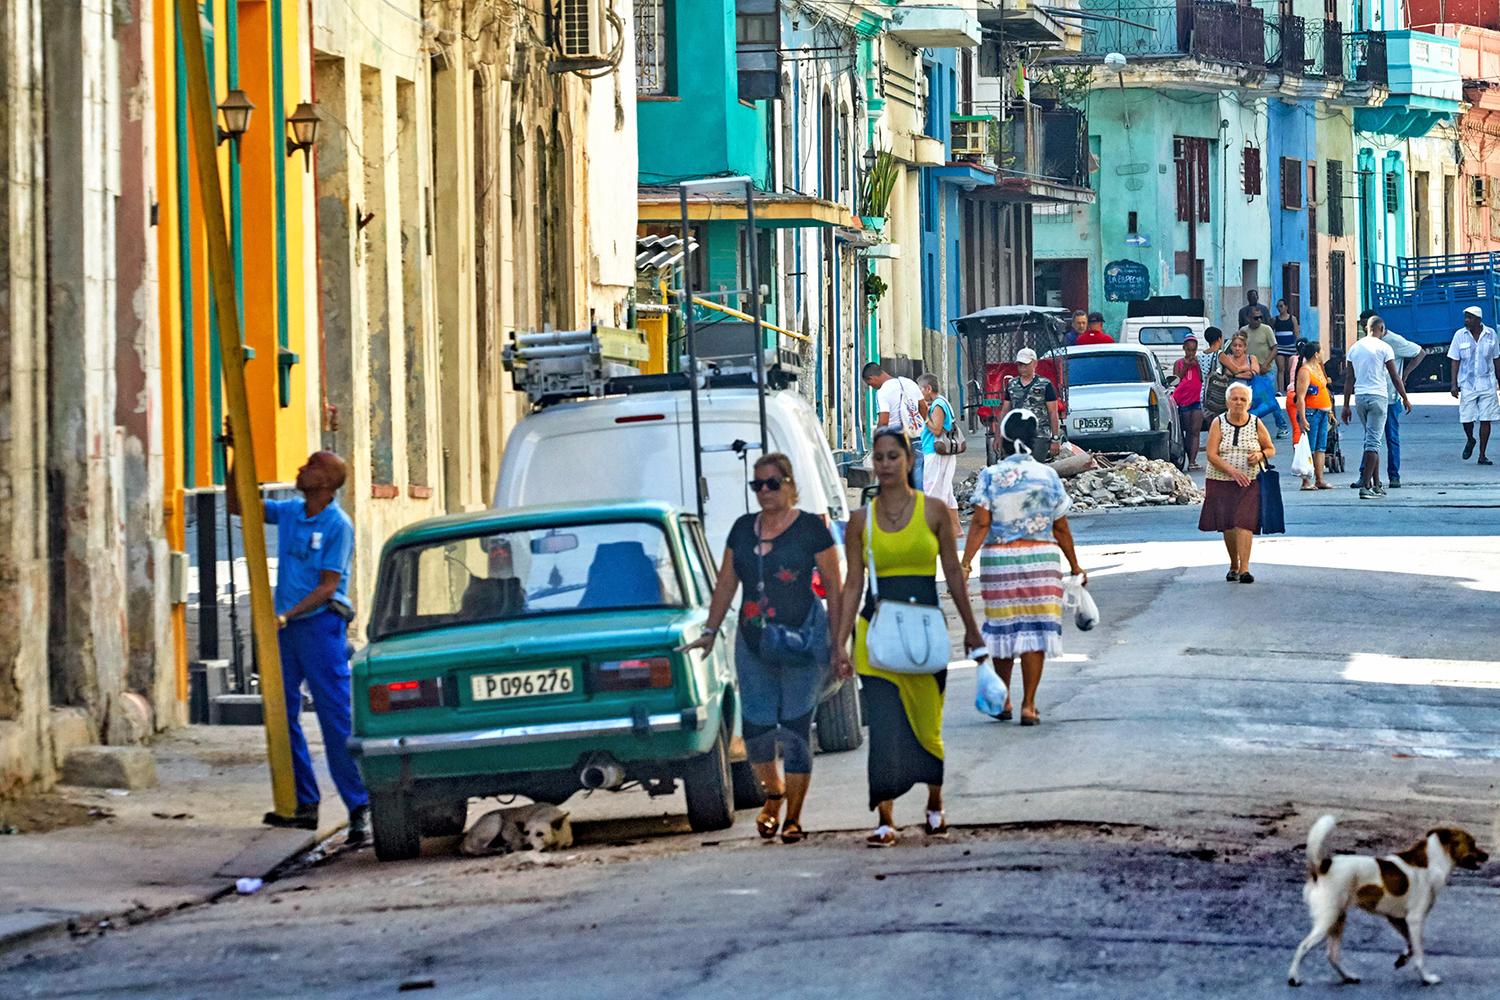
point(601, 771)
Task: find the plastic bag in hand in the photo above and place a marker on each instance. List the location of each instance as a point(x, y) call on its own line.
point(1079, 601)
point(989, 689)
point(1302, 464)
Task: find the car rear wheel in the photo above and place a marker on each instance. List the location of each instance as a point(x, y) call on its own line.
point(710, 788)
point(397, 827)
point(838, 720)
point(445, 819)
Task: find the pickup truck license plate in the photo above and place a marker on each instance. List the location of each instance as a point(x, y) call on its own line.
point(1095, 423)
point(521, 684)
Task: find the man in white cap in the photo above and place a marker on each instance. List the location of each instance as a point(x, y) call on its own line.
point(1474, 356)
point(1030, 391)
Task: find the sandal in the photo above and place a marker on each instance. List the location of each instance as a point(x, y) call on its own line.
point(1034, 718)
point(883, 836)
point(938, 829)
point(766, 824)
point(1006, 713)
point(792, 832)
point(1325, 486)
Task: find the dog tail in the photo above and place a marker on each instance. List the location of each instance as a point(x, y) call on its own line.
point(1317, 847)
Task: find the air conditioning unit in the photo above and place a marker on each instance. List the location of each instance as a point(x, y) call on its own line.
point(1478, 190)
point(971, 134)
point(583, 35)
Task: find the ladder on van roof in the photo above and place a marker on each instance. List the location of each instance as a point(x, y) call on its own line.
point(553, 366)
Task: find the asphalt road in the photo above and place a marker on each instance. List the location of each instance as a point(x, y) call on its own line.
point(1144, 841)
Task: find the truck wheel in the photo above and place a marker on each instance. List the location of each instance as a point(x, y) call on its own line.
point(748, 791)
point(838, 720)
point(445, 819)
point(397, 827)
point(710, 788)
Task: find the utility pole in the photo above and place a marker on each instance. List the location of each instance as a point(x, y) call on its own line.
point(202, 135)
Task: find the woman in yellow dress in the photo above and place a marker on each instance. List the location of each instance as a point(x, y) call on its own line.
point(905, 711)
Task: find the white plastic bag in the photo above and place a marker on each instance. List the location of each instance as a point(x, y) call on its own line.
point(1079, 601)
point(989, 689)
point(1302, 464)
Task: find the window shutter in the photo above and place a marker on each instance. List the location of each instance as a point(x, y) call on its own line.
point(1252, 171)
point(1179, 156)
point(1291, 287)
point(1203, 185)
point(1291, 183)
point(1335, 198)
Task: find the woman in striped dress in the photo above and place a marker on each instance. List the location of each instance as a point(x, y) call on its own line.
point(1019, 519)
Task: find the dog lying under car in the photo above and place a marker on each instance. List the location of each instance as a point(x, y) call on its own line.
point(539, 827)
point(1400, 887)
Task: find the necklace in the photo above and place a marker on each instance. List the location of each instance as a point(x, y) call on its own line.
point(895, 517)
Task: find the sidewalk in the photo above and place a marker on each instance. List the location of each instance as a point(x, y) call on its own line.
point(184, 842)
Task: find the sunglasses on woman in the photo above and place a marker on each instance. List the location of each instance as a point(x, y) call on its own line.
point(771, 483)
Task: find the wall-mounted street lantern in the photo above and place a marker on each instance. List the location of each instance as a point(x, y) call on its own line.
point(302, 131)
point(869, 159)
point(234, 115)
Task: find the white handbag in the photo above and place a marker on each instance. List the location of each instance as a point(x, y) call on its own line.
point(903, 638)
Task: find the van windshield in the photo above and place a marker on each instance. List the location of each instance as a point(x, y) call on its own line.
point(1161, 336)
point(513, 574)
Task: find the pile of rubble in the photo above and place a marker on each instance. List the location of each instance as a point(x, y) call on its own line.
point(1131, 481)
point(1127, 480)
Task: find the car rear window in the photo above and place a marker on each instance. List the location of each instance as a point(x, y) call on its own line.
point(514, 574)
point(1164, 336)
point(1106, 369)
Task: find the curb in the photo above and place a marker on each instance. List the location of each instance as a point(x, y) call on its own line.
point(268, 851)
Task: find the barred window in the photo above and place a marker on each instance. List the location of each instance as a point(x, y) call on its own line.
point(651, 65)
point(1392, 194)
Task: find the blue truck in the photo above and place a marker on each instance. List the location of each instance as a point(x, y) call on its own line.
point(1424, 298)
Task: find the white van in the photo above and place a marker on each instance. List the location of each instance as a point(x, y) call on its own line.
point(1162, 323)
point(640, 446)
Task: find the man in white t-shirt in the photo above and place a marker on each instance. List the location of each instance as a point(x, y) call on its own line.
point(899, 403)
point(1474, 356)
point(1367, 365)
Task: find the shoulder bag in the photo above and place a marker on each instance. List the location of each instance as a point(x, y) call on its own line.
point(903, 638)
point(801, 646)
point(952, 440)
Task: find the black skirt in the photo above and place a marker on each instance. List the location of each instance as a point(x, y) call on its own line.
point(896, 761)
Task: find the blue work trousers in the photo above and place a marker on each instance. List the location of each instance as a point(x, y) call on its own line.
point(1393, 441)
point(316, 651)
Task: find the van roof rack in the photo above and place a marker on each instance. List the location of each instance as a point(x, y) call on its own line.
point(558, 366)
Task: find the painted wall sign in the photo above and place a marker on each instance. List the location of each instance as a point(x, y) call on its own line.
point(1126, 281)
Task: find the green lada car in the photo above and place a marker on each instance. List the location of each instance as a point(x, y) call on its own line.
point(533, 652)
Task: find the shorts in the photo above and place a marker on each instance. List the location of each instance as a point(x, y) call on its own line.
point(1372, 411)
point(937, 478)
point(1190, 407)
point(1481, 406)
point(1317, 429)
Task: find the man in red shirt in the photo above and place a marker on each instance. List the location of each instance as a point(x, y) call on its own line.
point(1095, 333)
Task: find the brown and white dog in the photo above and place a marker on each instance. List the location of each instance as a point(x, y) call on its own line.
point(1400, 887)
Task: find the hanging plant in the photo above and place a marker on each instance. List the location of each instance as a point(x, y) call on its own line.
point(875, 287)
point(879, 183)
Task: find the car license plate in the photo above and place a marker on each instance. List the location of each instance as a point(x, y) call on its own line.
point(521, 684)
point(1095, 423)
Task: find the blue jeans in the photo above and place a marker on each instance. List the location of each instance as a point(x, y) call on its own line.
point(1317, 429)
point(777, 702)
point(316, 650)
point(1393, 440)
point(917, 459)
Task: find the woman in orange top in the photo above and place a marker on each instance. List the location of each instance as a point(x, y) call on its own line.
point(1314, 409)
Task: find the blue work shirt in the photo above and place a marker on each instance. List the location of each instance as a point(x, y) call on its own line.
point(306, 547)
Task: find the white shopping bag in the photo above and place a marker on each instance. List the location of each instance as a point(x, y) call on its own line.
point(1302, 464)
point(1078, 600)
point(989, 689)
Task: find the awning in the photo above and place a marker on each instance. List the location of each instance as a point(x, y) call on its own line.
point(967, 176)
point(773, 210)
point(1024, 23)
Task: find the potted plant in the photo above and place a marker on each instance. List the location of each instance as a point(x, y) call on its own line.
point(875, 198)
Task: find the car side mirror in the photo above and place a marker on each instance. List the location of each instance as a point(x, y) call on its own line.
point(1170, 381)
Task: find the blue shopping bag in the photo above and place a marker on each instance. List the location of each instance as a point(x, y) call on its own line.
point(1263, 395)
point(1272, 513)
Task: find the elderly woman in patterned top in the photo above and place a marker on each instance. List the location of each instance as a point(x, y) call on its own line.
point(1020, 522)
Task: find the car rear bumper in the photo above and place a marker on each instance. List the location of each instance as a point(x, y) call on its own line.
point(687, 720)
point(1136, 441)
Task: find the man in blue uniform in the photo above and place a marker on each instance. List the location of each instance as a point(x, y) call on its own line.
point(315, 541)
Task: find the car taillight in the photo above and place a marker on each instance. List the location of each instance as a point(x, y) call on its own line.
point(634, 675)
point(1154, 412)
point(397, 695)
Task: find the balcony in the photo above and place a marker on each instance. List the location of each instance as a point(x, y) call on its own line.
point(935, 27)
point(1325, 49)
point(1207, 30)
point(1421, 73)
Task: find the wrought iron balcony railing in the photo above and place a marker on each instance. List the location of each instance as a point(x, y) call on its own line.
point(1212, 30)
point(1045, 145)
point(1367, 56)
